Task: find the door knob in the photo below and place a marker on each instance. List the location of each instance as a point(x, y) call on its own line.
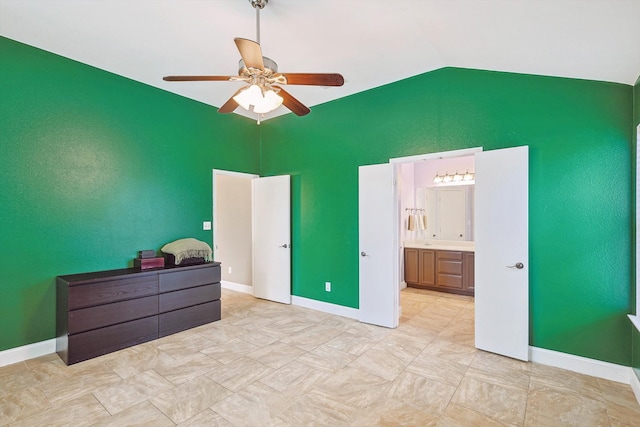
point(284, 246)
point(518, 265)
point(363, 253)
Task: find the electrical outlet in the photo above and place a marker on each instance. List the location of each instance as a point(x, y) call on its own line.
point(327, 286)
point(229, 270)
point(206, 225)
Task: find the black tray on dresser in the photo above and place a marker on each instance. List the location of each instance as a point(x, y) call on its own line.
point(104, 311)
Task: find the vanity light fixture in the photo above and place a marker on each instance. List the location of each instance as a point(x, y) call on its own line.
point(467, 177)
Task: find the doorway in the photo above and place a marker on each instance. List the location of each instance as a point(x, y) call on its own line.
point(232, 237)
point(501, 242)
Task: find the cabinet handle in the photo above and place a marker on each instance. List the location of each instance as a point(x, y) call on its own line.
point(363, 253)
point(518, 265)
point(284, 246)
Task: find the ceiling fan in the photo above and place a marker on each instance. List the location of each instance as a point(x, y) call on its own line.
point(263, 92)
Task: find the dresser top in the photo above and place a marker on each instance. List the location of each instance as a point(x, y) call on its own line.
point(96, 276)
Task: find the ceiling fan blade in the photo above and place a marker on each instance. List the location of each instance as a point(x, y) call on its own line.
point(195, 78)
point(250, 52)
point(297, 107)
point(314, 79)
point(230, 105)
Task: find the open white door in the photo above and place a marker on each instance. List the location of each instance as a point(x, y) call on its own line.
point(502, 252)
point(271, 229)
point(379, 283)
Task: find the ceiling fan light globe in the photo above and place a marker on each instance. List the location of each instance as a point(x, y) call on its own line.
point(262, 103)
point(269, 102)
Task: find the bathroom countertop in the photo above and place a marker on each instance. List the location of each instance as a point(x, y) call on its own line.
point(442, 245)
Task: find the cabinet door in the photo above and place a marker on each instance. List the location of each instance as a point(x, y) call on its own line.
point(427, 267)
point(411, 266)
point(469, 271)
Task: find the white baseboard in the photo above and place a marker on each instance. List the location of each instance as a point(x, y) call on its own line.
point(325, 307)
point(635, 385)
point(26, 352)
point(582, 365)
point(238, 287)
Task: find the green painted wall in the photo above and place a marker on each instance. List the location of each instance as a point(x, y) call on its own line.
point(579, 133)
point(95, 167)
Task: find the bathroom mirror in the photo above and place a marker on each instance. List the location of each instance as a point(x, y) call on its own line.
point(448, 211)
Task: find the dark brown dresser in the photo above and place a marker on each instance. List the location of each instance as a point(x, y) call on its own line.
point(104, 311)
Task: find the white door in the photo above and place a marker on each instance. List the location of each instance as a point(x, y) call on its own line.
point(377, 216)
point(502, 252)
point(271, 231)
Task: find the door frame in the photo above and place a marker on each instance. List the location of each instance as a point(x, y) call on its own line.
point(240, 287)
point(397, 221)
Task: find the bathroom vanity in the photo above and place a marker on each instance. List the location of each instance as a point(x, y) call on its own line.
point(445, 266)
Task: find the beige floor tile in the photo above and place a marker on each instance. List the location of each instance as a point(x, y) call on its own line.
point(22, 403)
point(256, 405)
point(276, 355)
point(327, 358)
point(183, 369)
point(437, 369)
point(382, 361)
point(311, 337)
point(451, 351)
point(233, 349)
point(259, 338)
point(568, 408)
point(190, 398)
point(206, 418)
point(505, 405)
point(352, 386)
point(132, 391)
point(351, 343)
point(78, 412)
point(500, 370)
point(144, 414)
point(459, 416)
point(240, 373)
point(430, 395)
point(547, 376)
point(90, 378)
point(132, 363)
point(294, 376)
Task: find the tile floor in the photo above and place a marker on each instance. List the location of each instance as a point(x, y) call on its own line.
point(267, 364)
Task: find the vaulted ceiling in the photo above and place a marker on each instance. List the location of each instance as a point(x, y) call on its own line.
point(370, 42)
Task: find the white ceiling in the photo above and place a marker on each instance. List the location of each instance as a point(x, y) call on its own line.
point(370, 42)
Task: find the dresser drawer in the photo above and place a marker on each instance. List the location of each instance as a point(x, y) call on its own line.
point(186, 318)
point(87, 345)
point(86, 319)
point(188, 297)
point(181, 279)
point(109, 291)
